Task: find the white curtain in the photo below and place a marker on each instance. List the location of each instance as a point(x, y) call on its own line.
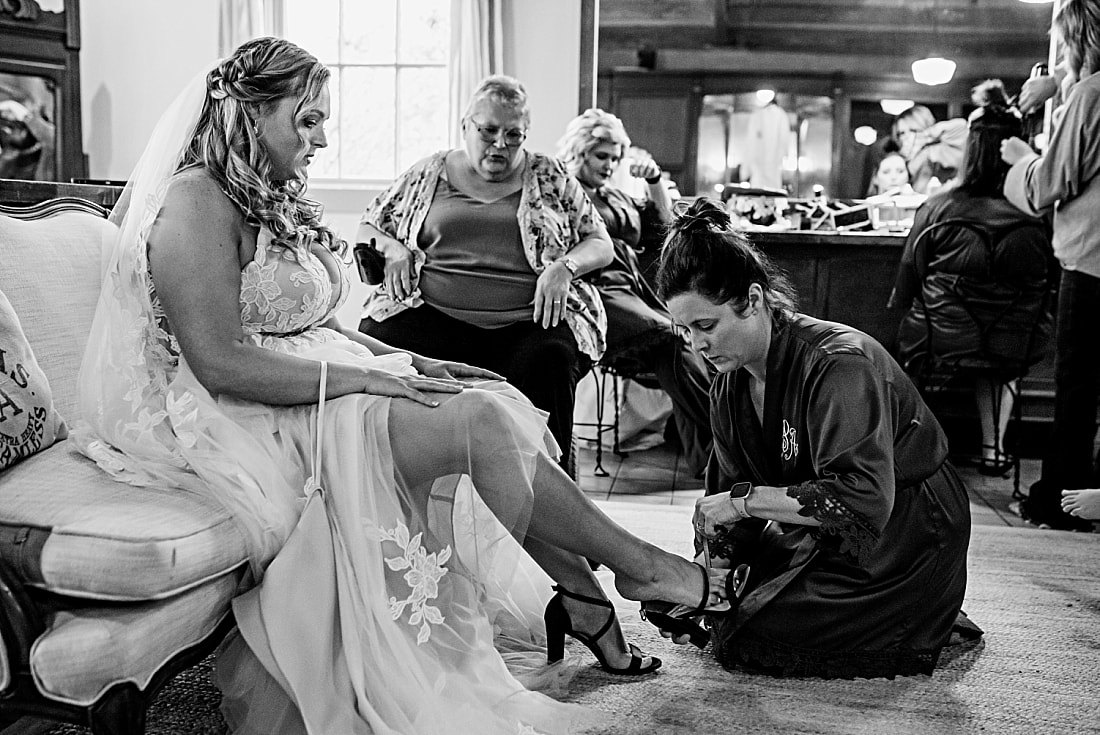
point(242, 20)
point(476, 52)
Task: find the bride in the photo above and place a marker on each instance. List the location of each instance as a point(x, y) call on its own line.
point(387, 498)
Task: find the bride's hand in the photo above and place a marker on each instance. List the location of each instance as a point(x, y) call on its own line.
point(445, 369)
point(414, 387)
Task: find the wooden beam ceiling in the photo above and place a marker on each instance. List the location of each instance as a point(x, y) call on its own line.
point(991, 37)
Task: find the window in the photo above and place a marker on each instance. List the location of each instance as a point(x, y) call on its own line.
point(389, 80)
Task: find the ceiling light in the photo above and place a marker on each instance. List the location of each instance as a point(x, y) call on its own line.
point(895, 107)
point(865, 135)
point(933, 70)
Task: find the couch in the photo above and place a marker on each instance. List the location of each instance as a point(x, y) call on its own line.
point(107, 590)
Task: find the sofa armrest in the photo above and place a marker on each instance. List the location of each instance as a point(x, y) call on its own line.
point(20, 625)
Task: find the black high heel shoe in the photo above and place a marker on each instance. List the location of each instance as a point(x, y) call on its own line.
point(679, 620)
point(558, 625)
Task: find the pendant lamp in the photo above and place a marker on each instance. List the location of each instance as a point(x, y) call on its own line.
point(934, 69)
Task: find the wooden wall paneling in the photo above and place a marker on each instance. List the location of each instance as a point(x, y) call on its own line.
point(662, 118)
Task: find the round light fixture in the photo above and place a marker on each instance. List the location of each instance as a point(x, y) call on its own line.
point(933, 70)
point(865, 135)
point(895, 107)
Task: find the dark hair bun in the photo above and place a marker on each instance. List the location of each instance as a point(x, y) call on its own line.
point(990, 94)
point(704, 215)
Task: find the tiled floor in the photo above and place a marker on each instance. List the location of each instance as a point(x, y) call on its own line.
point(656, 476)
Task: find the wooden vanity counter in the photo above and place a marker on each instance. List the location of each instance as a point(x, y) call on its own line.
point(842, 277)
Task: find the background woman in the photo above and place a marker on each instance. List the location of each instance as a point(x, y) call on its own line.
point(982, 278)
point(380, 612)
point(640, 338)
point(891, 177)
point(483, 247)
point(932, 149)
point(1064, 180)
point(829, 475)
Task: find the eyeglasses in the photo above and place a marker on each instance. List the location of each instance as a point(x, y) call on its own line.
point(491, 133)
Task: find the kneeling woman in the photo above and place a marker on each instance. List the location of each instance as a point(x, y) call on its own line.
point(828, 478)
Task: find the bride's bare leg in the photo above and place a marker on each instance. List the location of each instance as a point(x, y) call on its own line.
point(466, 435)
point(564, 517)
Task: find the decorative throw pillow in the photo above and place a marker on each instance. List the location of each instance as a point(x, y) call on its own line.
point(28, 421)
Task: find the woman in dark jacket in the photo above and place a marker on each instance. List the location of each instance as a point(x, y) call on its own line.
point(975, 277)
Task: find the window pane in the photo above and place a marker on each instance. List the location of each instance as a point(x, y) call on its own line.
point(369, 32)
point(326, 163)
point(315, 26)
point(367, 123)
point(422, 110)
point(424, 32)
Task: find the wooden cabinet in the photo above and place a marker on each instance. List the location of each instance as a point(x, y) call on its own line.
point(660, 114)
point(40, 74)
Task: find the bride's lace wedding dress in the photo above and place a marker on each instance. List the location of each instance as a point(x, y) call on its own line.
point(398, 600)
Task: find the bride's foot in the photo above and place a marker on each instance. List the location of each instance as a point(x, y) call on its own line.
point(1082, 503)
point(593, 622)
point(674, 579)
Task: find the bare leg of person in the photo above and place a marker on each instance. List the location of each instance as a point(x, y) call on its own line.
point(1082, 503)
point(469, 433)
point(995, 401)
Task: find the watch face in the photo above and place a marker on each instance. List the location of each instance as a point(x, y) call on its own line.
point(740, 489)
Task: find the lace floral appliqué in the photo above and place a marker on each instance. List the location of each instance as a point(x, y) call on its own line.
point(423, 573)
point(857, 540)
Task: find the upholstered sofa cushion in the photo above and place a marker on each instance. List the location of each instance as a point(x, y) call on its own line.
point(87, 650)
point(28, 421)
point(67, 527)
point(50, 270)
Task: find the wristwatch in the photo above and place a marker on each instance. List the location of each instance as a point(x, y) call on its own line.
point(739, 494)
point(570, 265)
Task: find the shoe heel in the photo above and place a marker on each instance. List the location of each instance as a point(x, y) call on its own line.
point(555, 630)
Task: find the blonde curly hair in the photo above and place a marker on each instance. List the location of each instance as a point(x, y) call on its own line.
point(585, 132)
point(251, 81)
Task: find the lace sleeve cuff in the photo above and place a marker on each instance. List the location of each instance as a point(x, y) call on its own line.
point(854, 535)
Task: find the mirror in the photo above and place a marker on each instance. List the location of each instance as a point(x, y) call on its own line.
point(784, 142)
point(28, 129)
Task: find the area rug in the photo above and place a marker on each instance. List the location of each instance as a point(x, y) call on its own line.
point(1036, 594)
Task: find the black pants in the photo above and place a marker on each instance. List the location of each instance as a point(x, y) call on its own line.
point(1069, 463)
point(544, 364)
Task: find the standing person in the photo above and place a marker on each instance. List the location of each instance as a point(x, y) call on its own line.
point(829, 475)
point(932, 149)
point(640, 338)
point(214, 340)
point(1064, 179)
point(981, 288)
point(484, 246)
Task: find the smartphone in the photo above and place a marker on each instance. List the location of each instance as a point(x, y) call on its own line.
point(371, 262)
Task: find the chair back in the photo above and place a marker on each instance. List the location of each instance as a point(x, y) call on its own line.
point(984, 303)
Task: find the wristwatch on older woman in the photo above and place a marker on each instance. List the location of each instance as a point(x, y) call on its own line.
point(739, 494)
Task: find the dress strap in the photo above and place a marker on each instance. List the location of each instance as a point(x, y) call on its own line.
point(314, 481)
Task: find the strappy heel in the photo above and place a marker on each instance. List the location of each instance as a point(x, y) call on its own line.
point(558, 625)
point(679, 620)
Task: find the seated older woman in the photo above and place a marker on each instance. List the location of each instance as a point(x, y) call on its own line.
point(483, 247)
point(640, 338)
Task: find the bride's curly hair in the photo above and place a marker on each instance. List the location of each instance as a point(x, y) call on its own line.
point(703, 254)
point(251, 81)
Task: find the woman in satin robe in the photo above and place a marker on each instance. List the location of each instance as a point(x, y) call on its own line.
point(829, 476)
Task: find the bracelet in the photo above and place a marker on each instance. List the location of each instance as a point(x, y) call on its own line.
point(653, 179)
